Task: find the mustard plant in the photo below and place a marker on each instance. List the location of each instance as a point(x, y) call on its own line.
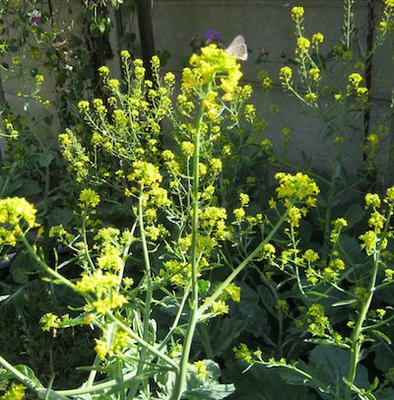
point(170, 247)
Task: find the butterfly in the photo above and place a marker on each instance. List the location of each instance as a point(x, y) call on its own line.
point(238, 48)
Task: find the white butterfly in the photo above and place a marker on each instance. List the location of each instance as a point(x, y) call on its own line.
point(238, 48)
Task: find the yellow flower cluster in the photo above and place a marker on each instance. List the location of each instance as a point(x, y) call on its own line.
point(297, 13)
point(317, 321)
point(178, 272)
point(311, 256)
point(121, 341)
point(88, 199)
point(145, 173)
point(74, 154)
point(286, 75)
point(243, 353)
point(303, 45)
point(314, 74)
point(211, 64)
point(372, 200)
point(317, 38)
point(355, 79)
point(339, 223)
point(294, 188)
point(213, 219)
point(103, 286)
point(125, 54)
point(148, 178)
point(294, 216)
point(15, 212)
point(369, 241)
point(15, 392)
point(200, 369)
point(332, 271)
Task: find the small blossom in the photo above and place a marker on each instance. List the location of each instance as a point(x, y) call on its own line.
point(104, 71)
point(125, 54)
point(317, 38)
point(88, 198)
point(297, 12)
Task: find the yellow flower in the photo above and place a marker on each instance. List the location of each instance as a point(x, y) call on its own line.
point(355, 79)
point(362, 91)
point(311, 256)
point(317, 38)
point(296, 187)
point(268, 250)
point(219, 307)
point(286, 74)
point(314, 73)
point(234, 292)
point(103, 71)
point(303, 44)
point(114, 84)
point(311, 97)
point(155, 62)
point(39, 79)
point(389, 3)
point(88, 198)
point(50, 322)
point(390, 193)
point(200, 370)
point(125, 54)
point(376, 221)
point(272, 203)
point(297, 12)
point(145, 173)
point(244, 198)
point(294, 216)
point(187, 148)
point(242, 353)
point(13, 209)
point(202, 169)
point(338, 97)
point(372, 200)
point(15, 392)
point(101, 349)
point(239, 213)
point(169, 78)
point(216, 164)
point(83, 106)
point(368, 240)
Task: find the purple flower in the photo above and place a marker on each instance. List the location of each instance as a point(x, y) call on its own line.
point(36, 20)
point(211, 35)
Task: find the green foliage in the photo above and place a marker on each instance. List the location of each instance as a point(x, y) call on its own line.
point(157, 248)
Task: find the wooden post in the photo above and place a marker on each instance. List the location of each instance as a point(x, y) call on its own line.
point(144, 13)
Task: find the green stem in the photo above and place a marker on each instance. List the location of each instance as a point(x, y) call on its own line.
point(142, 342)
point(148, 298)
point(357, 340)
point(44, 266)
point(18, 375)
point(357, 337)
point(208, 303)
point(177, 318)
point(327, 217)
point(181, 378)
point(85, 242)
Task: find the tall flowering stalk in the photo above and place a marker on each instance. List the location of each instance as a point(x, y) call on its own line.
point(176, 227)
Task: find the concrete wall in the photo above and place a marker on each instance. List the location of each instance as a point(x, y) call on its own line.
point(267, 24)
